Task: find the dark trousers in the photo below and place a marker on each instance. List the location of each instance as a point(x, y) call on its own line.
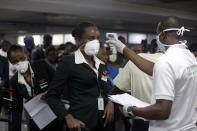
point(140, 125)
point(99, 127)
point(53, 126)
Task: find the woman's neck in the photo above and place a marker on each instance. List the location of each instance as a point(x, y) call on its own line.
point(88, 59)
point(27, 73)
point(27, 76)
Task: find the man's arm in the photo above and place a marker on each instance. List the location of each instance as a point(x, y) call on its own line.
point(159, 111)
point(143, 64)
point(163, 92)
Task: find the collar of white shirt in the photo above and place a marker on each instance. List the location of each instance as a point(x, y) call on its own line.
point(180, 45)
point(79, 59)
point(21, 80)
point(3, 53)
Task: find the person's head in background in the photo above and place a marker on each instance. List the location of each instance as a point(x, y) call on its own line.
point(167, 37)
point(51, 54)
point(29, 43)
point(144, 46)
point(61, 49)
point(47, 40)
point(193, 48)
point(69, 48)
point(5, 45)
point(18, 58)
point(122, 39)
point(85, 32)
point(103, 54)
point(137, 48)
point(153, 47)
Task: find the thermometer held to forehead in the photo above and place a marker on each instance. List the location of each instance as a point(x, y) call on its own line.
point(111, 36)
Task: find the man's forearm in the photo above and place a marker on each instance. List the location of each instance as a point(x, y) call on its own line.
point(153, 112)
point(143, 64)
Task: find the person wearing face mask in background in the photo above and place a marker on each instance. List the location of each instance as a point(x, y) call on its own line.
point(82, 74)
point(29, 46)
point(174, 80)
point(115, 58)
point(116, 125)
point(31, 79)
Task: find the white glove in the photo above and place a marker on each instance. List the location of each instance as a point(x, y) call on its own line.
point(118, 44)
point(113, 49)
point(126, 112)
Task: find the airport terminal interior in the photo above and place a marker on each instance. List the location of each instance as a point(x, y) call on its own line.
point(57, 28)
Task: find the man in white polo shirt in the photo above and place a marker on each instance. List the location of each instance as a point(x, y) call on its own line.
point(139, 84)
point(174, 81)
point(193, 48)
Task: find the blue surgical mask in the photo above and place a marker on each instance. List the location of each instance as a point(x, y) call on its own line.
point(160, 45)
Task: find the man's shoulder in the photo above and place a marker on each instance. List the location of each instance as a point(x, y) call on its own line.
point(164, 62)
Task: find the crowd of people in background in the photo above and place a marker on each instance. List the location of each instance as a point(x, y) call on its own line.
point(82, 73)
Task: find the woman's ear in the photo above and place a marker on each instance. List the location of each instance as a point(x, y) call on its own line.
point(79, 41)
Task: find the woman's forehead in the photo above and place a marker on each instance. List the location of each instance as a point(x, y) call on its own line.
point(93, 30)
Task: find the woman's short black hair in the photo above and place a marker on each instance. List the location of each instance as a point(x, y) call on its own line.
point(12, 49)
point(80, 28)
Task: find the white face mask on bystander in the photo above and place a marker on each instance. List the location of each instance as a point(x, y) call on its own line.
point(22, 66)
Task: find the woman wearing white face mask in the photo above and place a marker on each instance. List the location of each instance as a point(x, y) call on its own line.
point(31, 79)
point(81, 73)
